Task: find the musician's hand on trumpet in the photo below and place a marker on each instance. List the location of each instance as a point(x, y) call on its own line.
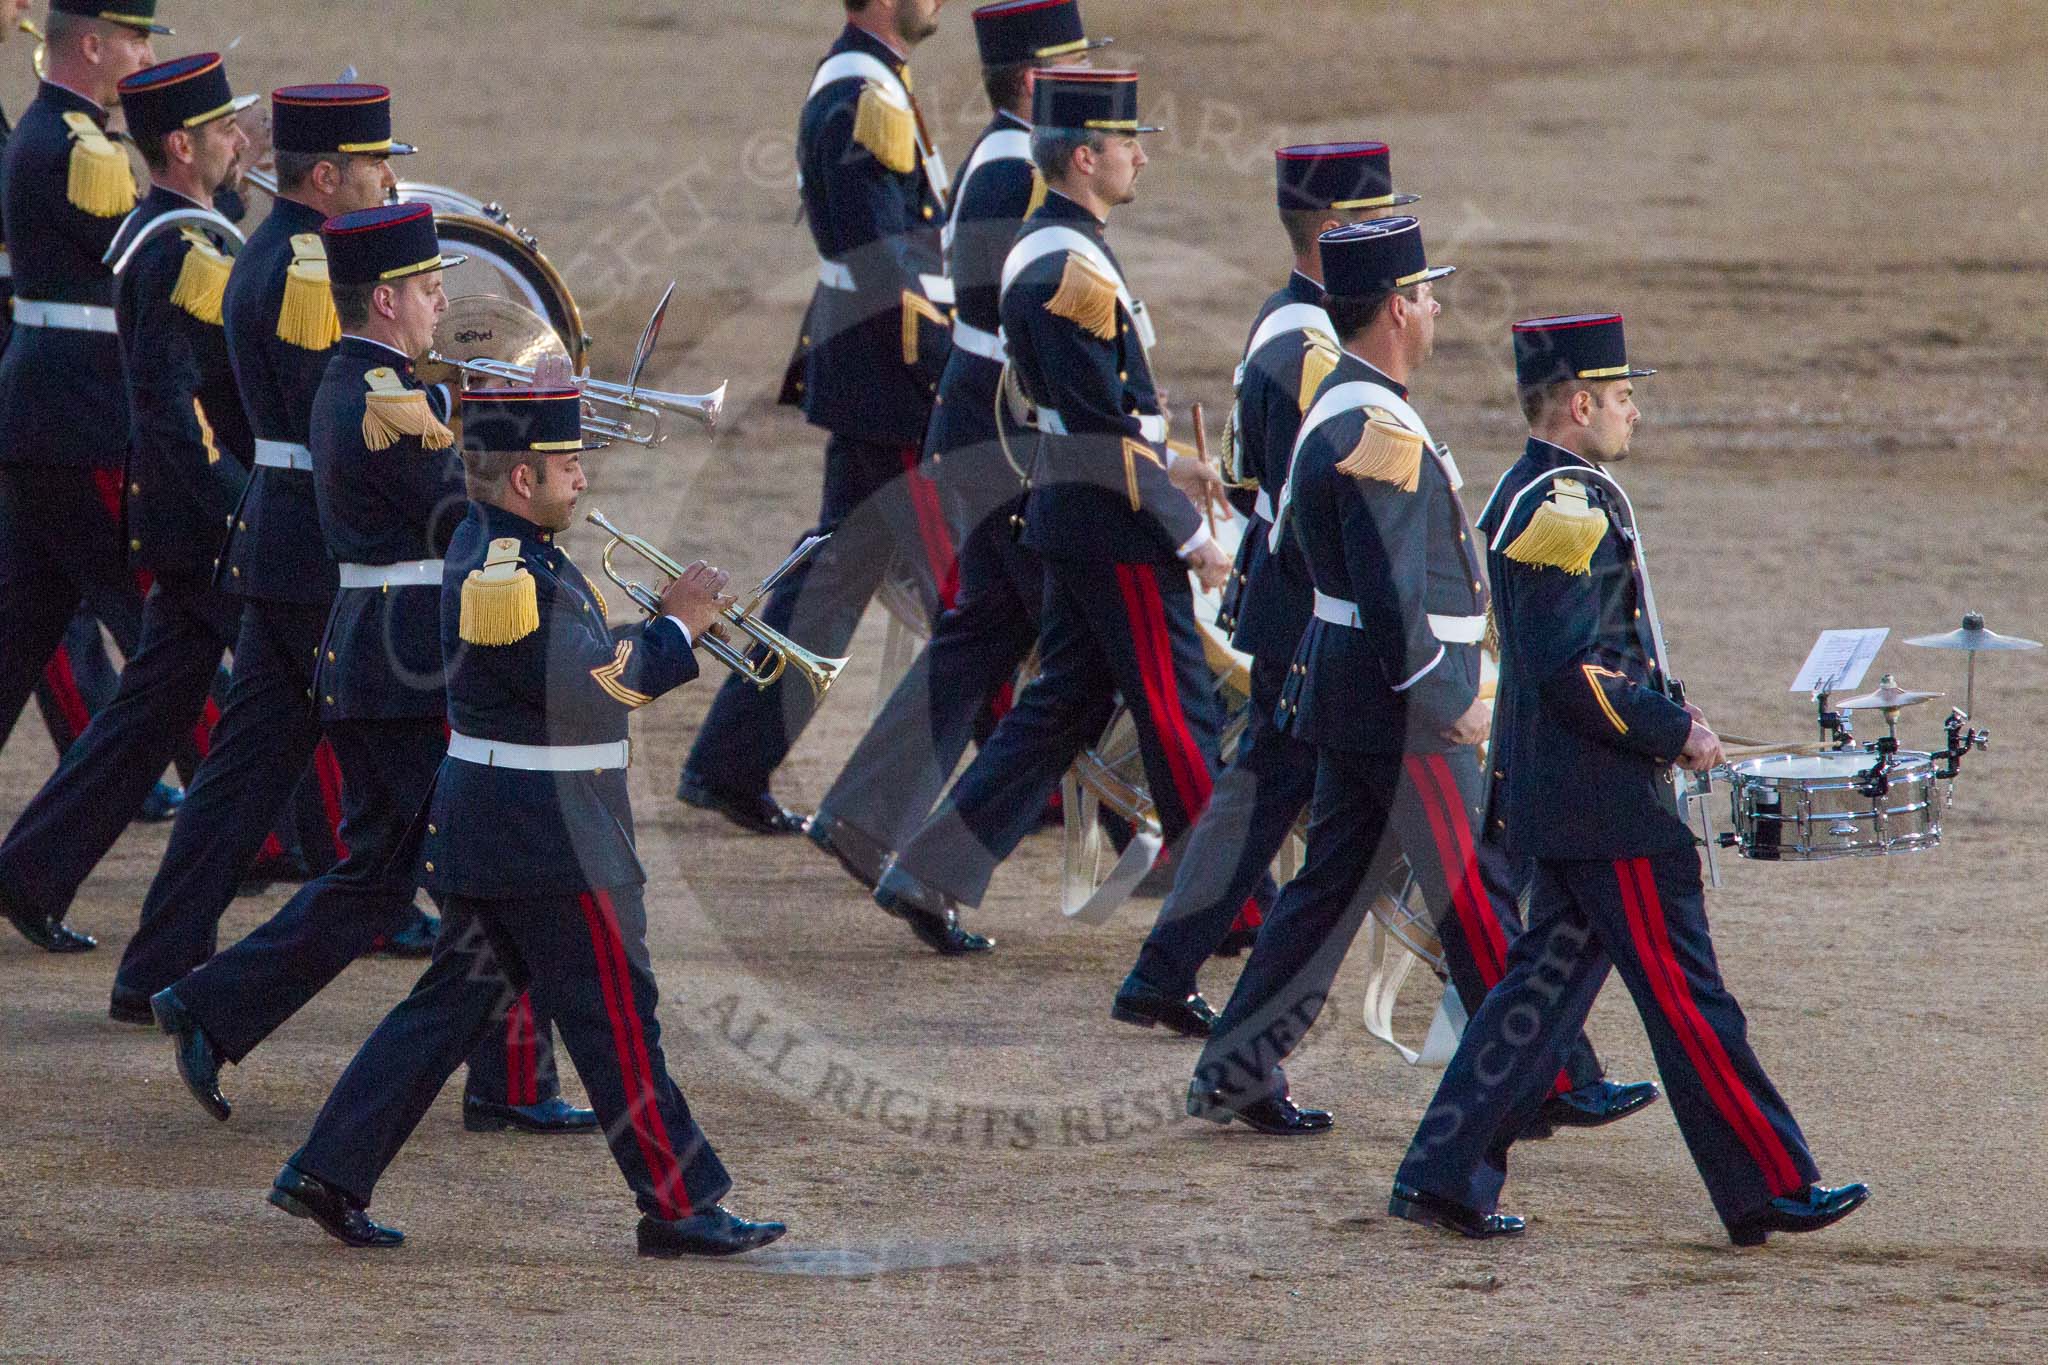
point(697, 597)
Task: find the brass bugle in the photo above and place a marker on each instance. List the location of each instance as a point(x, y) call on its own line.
point(639, 411)
point(778, 653)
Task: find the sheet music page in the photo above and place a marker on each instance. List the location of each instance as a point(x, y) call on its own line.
point(1843, 655)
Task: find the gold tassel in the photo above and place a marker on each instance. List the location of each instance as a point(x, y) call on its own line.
point(915, 306)
point(1038, 189)
point(500, 605)
point(308, 320)
point(886, 129)
point(394, 411)
point(101, 183)
point(1317, 364)
point(1086, 297)
point(1563, 533)
point(1387, 452)
point(202, 280)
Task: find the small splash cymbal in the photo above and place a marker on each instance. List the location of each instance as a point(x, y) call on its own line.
point(1888, 697)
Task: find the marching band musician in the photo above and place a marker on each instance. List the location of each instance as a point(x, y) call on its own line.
point(874, 346)
point(1291, 350)
point(1117, 529)
point(187, 460)
point(896, 774)
point(1384, 686)
point(281, 329)
point(1587, 706)
point(64, 429)
point(528, 840)
point(389, 493)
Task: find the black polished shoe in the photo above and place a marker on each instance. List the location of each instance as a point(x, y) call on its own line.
point(1237, 942)
point(1598, 1104)
point(301, 1196)
point(1807, 1212)
point(1140, 1002)
point(413, 940)
point(198, 1063)
point(554, 1115)
point(1433, 1211)
point(759, 814)
point(129, 1007)
point(48, 932)
point(1276, 1117)
point(932, 917)
point(861, 856)
point(720, 1232)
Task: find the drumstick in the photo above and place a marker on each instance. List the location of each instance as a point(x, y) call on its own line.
point(1202, 452)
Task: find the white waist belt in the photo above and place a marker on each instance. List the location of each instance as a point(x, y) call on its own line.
point(283, 455)
point(540, 758)
point(1450, 630)
point(1263, 505)
point(974, 341)
point(1052, 424)
point(411, 573)
point(834, 275)
point(65, 317)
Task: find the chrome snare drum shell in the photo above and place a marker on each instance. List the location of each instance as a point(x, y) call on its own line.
point(1811, 807)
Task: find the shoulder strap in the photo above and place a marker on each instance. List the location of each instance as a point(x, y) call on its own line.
point(1626, 513)
point(1039, 243)
point(843, 66)
point(1335, 402)
point(1292, 317)
point(164, 222)
point(1004, 144)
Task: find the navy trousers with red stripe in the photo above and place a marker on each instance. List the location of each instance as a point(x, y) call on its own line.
point(878, 508)
point(244, 994)
point(77, 682)
point(1370, 810)
point(1106, 629)
point(266, 736)
point(584, 961)
point(1646, 917)
point(69, 826)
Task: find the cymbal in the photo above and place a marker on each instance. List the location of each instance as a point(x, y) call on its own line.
point(1889, 697)
point(1974, 637)
point(488, 327)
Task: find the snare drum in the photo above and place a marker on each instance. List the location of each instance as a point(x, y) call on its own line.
point(1811, 807)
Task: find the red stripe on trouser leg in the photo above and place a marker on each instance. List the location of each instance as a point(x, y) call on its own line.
point(1249, 916)
point(628, 1044)
point(63, 685)
point(1134, 613)
point(1460, 822)
point(202, 729)
point(1153, 647)
point(327, 769)
point(272, 850)
point(931, 530)
point(1199, 776)
point(514, 1091)
point(1645, 912)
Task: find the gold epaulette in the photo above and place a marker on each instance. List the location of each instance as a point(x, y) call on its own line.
point(394, 411)
point(1086, 297)
point(1318, 360)
point(1038, 189)
point(887, 129)
point(203, 279)
point(1386, 452)
point(102, 183)
point(915, 306)
point(1563, 533)
point(1134, 451)
point(500, 604)
point(308, 320)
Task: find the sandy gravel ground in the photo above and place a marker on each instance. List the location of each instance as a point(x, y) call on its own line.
point(1824, 225)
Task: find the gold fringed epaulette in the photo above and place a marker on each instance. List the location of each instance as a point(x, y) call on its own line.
point(394, 412)
point(916, 306)
point(1318, 361)
point(1038, 189)
point(308, 320)
point(1563, 533)
point(1387, 452)
point(500, 605)
point(101, 183)
point(1086, 297)
point(202, 280)
point(887, 129)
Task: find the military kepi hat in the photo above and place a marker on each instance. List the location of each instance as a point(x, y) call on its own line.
point(1337, 175)
point(310, 119)
point(1017, 31)
point(131, 13)
point(1556, 350)
point(1087, 101)
point(386, 243)
point(182, 93)
point(1364, 259)
point(548, 421)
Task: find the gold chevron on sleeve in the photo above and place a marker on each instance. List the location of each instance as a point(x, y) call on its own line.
point(1594, 673)
point(607, 677)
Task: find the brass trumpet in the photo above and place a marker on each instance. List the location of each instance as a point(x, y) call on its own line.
point(778, 651)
